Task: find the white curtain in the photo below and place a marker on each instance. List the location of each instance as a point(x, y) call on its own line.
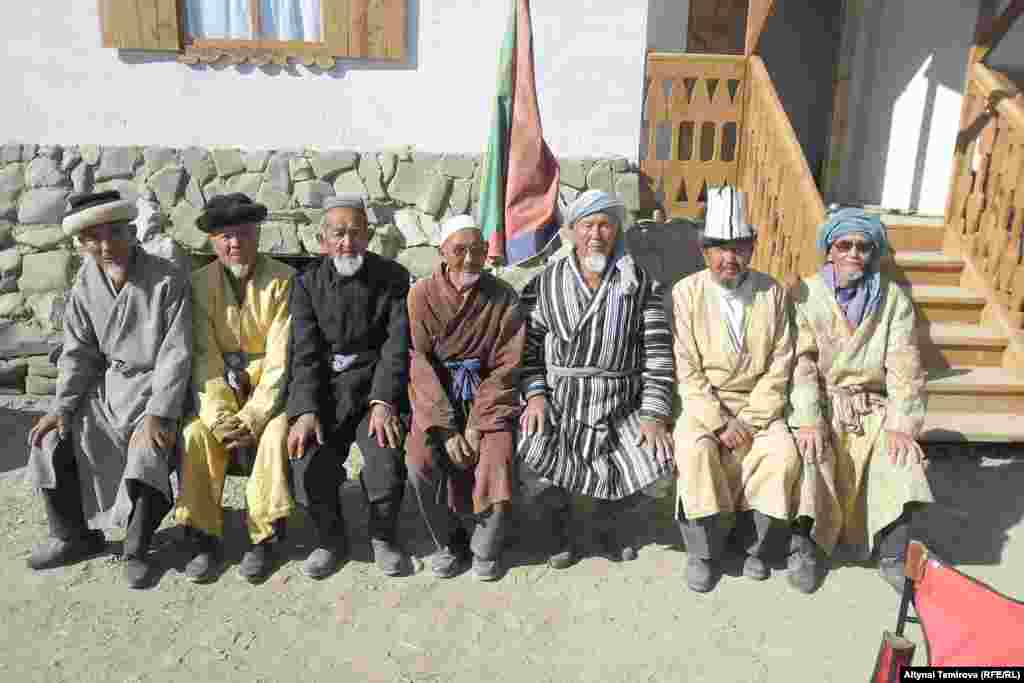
point(290, 20)
point(218, 19)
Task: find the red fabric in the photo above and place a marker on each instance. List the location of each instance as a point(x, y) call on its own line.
point(894, 655)
point(967, 623)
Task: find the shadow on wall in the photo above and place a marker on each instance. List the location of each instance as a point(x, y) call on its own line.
point(340, 69)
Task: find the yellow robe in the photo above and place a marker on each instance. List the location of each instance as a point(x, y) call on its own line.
point(716, 383)
point(260, 327)
point(847, 381)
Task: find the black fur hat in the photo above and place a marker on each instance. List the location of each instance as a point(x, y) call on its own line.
point(230, 209)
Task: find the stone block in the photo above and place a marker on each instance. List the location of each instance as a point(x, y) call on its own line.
point(12, 179)
point(387, 241)
point(12, 373)
point(572, 172)
point(46, 272)
point(567, 194)
point(82, 178)
point(41, 238)
point(278, 174)
point(256, 160)
point(429, 160)
point(157, 158)
point(434, 201)
point(117, 162)
point(166, 248)
point(309, 235)
point(214, 188)
point(8, 283)
point(300, 169)
point(388, 162)
point(420, 261)
point(401, 152)
point(129, 189)
point(620, 164)
point(458, 201)
point(10, 153)
point(40, 366)
point(6, 233)
point(228, 162)
point(627, 187)
point(408, 223)
point(12, 306)
point(667, 251)
point(53, 152)
point(194, 194)
point(48, 309)
point(349, 182)
point(458, 165)
point(327, 165)
point(40, 386)
point(601, 177)
point(10, 261)
point(412, 180)
point(431, 228)
point(272, 199)
point(280, 237)
point(312, 193)
point(90, 154)
point(369, 171)
point(42, 206)
point(167, 184)
point(185, 231)
point(70, 159)
point(29, 151)
point(518, 277)
point(247, 183)
point(199, 165)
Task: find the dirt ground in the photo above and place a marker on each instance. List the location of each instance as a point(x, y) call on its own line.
point(598, 621)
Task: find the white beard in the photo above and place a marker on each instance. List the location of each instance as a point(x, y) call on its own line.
point(347, 266)
point(595, 263)
point(848, 278)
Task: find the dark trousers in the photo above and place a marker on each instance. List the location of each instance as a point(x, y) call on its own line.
point(754, 532)
point(317, 478)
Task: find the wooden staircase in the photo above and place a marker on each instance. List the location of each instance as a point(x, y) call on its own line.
point(971, 396)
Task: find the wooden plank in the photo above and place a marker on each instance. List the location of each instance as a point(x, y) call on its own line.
point(168, 26)
point(140, 24)
point(386, 29)
point(757, 17)
point(120, 23)
point(358, 28)
point(336, 24)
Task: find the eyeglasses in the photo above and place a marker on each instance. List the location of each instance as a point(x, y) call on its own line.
point(846, 246)
point(353, 233)
point(476, 251)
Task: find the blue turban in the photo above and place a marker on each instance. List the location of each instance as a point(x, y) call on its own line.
point(859, 304)
point(599, 201)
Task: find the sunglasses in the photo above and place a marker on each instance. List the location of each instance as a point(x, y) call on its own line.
point(846, 246)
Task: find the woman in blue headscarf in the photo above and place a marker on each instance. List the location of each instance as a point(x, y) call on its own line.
point(857, 397)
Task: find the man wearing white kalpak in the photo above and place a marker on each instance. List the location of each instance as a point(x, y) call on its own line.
point(597, 376)
point(102, 457)
point(738, 465)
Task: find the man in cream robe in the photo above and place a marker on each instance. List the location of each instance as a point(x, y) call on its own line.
point(738, 466)
point(857, 404)
point(239, 374)
point(103, 457)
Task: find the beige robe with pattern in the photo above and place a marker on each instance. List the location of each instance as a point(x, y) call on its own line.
point(856, 384)
point(716, 383)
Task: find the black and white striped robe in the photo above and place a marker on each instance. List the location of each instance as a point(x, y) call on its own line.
point(590, 445)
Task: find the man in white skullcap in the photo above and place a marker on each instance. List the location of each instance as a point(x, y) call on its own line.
point(467, 342)
point(103, 456)
point(349, 377)
point(739, 469)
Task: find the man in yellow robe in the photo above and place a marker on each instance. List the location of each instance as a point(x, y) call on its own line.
point(858, 395)
point(738, 466)
point(241, 330)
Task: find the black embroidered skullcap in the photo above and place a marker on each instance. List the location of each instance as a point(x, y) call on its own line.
point(230, 209)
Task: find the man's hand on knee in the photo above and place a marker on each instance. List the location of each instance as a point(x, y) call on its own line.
point(904, 450)
point(459, 450)
point(811, 443)
point(155, 432)
point(45, 425)
point(735, 434)
point(654, 435)
point(385, 426)
point(302, 434)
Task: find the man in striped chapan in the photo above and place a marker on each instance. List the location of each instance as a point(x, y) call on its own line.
point(597, 377)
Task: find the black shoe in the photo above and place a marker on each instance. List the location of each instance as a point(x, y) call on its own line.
point(487, 570)
point(701, 574)
point(204, 566)
point(459, 544)
point(614, 548)
point(755, 568)
point(138, 572)
point(805, 566)
point(54, 552)
point(257, 562)
point(389, 557)
point(565, 554)
point(444, 564)
point(326, 558)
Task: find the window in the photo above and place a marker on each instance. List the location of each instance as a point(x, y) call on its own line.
point(258, 31)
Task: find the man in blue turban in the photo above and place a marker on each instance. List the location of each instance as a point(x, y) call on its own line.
point(856, 406)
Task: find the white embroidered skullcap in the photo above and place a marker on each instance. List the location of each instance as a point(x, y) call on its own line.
point(456, 223)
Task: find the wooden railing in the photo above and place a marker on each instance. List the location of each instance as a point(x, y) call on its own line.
point(784, 203)
point(985, 212)
point(716, 119)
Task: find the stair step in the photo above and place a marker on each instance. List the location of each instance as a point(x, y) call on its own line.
point(926, 268)
point(914, 232)
point(940, 427)
point(977, 389)
point(947, 304)
point(958, 345)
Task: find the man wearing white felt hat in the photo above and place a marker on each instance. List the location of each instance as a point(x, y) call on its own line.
point(738, 466)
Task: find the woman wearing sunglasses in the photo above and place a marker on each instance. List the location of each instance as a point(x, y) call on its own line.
point(857, 400)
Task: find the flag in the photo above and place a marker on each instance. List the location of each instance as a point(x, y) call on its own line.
point(519, 181)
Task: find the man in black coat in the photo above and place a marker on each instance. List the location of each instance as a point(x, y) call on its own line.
point(349, 374)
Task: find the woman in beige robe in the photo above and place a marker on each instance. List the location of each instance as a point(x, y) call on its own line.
point(858, 396)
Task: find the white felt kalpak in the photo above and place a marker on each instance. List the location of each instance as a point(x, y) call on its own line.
point(118, 211)
point(726, 217)
point(456, 223)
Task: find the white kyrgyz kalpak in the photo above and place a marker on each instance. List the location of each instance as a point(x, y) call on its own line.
point(726, 219)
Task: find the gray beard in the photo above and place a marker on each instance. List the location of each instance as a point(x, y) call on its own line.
point(730, 283)
point(848, 279)
point(347, 266)
point(595, 263)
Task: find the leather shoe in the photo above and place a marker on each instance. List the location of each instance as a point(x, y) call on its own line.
point(701, 574)
point(755, 568)
point(55, 552)
point(444, 564)
point(804, 567)
point(486, 570)
point(203, 567)
point(257, 562)
point(390, 558)
point(137, 571)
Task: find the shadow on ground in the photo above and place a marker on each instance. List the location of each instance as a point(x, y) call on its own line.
point(14, 428)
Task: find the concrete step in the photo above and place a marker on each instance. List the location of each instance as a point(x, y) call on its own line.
point(946, 304)
point(957, 345)
point(975, 389)
point(926, 268)
point(914, 232)
point(949, 427)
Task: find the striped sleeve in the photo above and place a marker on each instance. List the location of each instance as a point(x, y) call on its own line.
point(657, 359)
point(534, 369)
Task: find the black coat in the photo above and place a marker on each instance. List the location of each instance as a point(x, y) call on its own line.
point(364, 314)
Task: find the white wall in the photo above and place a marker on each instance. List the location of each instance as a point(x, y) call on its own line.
point(60, 87)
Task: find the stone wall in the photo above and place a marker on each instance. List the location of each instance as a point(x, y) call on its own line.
point(409, 193)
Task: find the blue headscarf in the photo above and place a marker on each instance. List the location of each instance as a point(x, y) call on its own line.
point(599, 201)
point(861, 303)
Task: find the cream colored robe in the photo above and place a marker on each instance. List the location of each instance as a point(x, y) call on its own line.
point(716, 383)
point(856, 384)
point(260, 327)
